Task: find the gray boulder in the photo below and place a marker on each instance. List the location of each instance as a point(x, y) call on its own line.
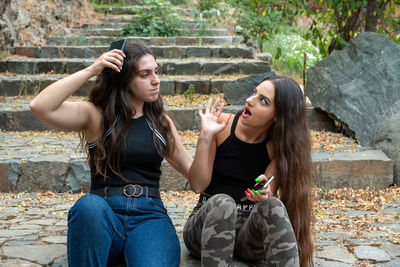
point(237, 91)
point(358, 84)
point(387, 137)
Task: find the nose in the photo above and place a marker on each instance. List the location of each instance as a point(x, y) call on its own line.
point(249, 101)
point(155, 79)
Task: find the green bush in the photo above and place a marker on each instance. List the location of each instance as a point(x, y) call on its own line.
point(258, 20)
point(287, 49)
point(159, 19)
point(207, 4)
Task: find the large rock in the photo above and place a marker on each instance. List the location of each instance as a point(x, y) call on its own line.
point(387, 137)
point(358, 84)
point(237, 91)
point(31, 22)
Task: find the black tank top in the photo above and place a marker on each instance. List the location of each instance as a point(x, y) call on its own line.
point(140, 161)
point(237, 164)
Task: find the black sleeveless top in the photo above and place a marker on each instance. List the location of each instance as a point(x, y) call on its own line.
point(237, 164)
point(140, 161)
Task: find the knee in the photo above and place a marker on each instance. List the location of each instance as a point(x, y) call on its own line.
point(223, 201)
point(88, 207)
point(272, 205)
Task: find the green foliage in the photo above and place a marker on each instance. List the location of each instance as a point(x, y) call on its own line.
point(207, 4)
point(261, 19)
point(189, 93)
point(336, 22)
point(159, 19)
point(288, 48)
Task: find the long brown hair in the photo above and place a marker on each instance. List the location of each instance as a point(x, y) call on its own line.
point(110, 93)
point(292, 151)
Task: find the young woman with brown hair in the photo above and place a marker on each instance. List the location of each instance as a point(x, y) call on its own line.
point(127, 134)
point(271, 227)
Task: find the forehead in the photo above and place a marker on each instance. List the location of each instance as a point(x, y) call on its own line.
point(266, 88)
point(147, 62)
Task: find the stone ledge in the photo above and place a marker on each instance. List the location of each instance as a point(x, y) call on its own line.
point(178, 40)
point(202, 66)
point(166, 51)
point(16, 116)
point(25, 85)
point(64, 172)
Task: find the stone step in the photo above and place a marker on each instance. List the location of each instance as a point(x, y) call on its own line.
point(24, 85)
point(118, 32)
point(190, 22)
point(33, 161)
point(104, 40)
point(168, 51)
point(118, 22)
point(15, 115)
point(192, 66)
point(132, 10)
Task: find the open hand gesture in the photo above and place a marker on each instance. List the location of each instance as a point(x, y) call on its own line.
point(209, 119)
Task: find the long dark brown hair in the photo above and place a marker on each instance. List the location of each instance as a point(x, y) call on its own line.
point(110, 93)
point(292, 151)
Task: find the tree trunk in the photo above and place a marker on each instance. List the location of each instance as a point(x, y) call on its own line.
point(372, 16)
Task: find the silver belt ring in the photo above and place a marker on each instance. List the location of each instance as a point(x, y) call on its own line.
point(141, 190)
point(126, 188)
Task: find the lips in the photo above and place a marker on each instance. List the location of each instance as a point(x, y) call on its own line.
point(246, 112)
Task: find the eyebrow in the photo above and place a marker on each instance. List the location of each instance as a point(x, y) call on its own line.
point(148, 69)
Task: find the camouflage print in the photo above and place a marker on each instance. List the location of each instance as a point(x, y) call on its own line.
point(209, 232)
point(266, 234)
point(263, 236)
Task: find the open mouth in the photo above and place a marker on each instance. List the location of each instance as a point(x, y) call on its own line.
point(246, 112)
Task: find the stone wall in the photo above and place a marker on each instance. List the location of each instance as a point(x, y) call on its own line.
point(30, 22)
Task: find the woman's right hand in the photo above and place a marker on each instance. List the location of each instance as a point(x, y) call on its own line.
point(112, 59)
point(210, 124)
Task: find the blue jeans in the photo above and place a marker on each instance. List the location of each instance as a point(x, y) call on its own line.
point(118, 229)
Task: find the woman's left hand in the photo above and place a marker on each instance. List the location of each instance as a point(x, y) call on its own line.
point(259, 195)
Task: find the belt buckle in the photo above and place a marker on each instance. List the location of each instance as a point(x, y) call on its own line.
point(136, 187)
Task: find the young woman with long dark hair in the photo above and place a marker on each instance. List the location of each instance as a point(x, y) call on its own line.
point(270, 227)
point(127, 134)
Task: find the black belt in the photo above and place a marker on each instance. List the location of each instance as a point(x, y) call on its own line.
point(129, 190)
point(240, 206)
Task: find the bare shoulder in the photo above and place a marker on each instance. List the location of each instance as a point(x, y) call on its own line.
point(94, 113)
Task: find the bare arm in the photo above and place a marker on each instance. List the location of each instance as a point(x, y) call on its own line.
point(181, 159)
point(211, 124)
point(51, 106)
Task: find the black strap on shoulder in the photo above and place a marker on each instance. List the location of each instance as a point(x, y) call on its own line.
point(234, 123)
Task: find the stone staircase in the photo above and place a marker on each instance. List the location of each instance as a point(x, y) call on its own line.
point(31, 158)
point(207, 62)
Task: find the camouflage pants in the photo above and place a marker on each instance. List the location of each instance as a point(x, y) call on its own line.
point(216, 231)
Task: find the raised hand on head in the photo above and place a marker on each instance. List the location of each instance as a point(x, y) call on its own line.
point(112, 59)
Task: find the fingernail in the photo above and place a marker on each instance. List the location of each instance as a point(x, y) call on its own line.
point(261, 191)
point(247, 194)
point(254, 192)
point(257, 179)
point(124, 54)
point(248, 190)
